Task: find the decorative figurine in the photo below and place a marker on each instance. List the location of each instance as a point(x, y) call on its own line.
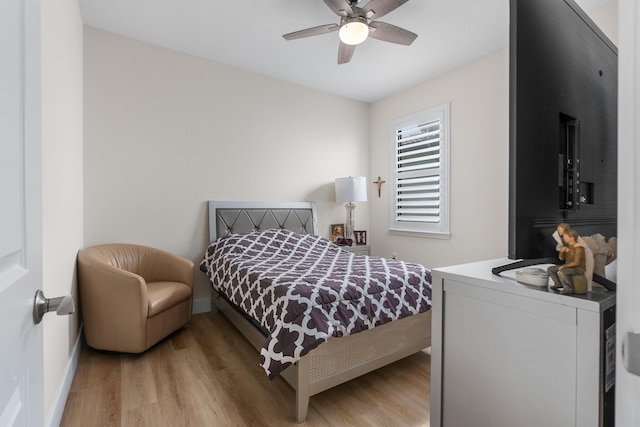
point(571, 275)
point(604, 252)
point(560, 229)
point(588, 251)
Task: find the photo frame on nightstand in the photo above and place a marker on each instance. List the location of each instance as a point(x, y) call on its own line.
point(360, 237)
point(337, 232)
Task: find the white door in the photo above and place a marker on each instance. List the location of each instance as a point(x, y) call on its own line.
point(21, 370)
point(628, 295)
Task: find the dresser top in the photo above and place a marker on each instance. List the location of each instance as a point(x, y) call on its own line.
point(479, 274)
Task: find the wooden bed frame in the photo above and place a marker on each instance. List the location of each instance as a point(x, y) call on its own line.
point(339, 359)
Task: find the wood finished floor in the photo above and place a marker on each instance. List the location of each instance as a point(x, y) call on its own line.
point(207, 374)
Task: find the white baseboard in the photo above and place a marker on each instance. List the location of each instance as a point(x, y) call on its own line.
point(201, 305)
point(60, 399)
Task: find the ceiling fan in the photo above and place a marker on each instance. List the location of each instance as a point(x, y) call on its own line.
point(356, 25)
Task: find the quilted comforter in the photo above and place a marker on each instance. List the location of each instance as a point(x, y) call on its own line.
point(303, 289)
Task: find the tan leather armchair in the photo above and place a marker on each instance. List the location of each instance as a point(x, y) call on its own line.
point(132, 296)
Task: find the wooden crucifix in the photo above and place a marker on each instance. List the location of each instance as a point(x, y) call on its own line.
point(379, 183)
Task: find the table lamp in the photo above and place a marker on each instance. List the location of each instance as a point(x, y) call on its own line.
point(351, 189)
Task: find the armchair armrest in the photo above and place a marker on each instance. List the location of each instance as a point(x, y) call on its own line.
point(112, 300)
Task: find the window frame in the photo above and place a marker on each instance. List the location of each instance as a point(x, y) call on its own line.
point(440, 229)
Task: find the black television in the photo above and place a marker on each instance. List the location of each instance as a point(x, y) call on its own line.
point(562, 127)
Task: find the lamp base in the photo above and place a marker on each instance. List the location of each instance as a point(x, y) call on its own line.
point(349, 224)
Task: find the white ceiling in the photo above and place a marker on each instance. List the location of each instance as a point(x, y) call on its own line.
point(248, 35)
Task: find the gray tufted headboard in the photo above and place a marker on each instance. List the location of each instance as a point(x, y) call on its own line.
point(228, 217)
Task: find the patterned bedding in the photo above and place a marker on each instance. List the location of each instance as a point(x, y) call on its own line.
point(303, 289)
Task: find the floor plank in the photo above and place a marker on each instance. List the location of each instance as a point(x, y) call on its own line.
point(207, 374)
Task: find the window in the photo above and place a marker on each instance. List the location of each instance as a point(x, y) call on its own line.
point(420, 173)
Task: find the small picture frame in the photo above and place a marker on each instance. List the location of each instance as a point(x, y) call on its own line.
point(360, 237)
point(337, 232)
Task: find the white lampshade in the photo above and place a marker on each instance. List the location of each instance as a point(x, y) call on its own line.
point(351, 189)
point(353, 32)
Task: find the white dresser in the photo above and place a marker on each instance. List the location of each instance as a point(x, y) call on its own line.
point(506, 354)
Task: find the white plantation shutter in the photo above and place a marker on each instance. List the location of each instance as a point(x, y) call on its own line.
point(419, 201)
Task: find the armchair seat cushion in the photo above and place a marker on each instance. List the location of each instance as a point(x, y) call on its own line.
point(164, 295)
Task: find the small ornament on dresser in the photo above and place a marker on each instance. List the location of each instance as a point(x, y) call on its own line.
point(569, 278)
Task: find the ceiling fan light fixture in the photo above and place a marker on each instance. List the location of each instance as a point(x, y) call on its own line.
point(353, 31)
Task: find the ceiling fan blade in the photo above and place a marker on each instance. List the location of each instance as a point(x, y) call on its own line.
point(345, 52)
point(379, 8)
point(340, 7)
point(391, 33)
point(315, 31)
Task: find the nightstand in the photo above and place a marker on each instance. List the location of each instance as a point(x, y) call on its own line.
point(358, 249)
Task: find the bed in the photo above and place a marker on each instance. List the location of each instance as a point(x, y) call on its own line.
point(332, 355)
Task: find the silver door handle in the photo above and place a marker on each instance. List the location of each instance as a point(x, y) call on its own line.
point(41, 305)
point(631, 352)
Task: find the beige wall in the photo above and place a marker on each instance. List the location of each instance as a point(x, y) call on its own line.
point(478, 93)
point(165, 132)
point(479, 97)
point(62, 182)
